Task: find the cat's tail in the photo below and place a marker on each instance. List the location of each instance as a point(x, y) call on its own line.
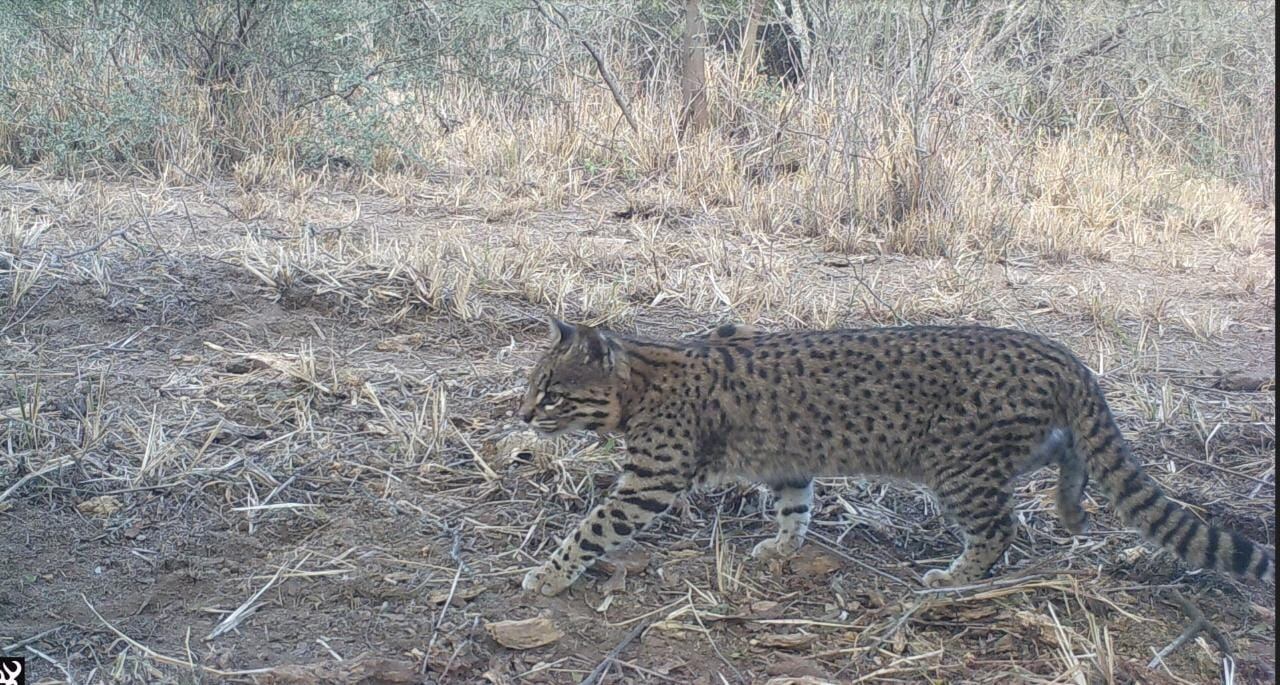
point(1143, 506)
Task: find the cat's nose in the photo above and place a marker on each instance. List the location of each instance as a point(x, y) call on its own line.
point(526, 415)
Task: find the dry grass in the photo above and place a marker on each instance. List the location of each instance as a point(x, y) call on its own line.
point(271, 406)
point(347, 350)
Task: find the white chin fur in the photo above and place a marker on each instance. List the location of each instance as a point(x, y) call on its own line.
point(551, 430)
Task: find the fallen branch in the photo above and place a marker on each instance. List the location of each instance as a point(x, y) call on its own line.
point(1198, 624)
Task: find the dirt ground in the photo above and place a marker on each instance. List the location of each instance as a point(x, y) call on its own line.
point(243, 443)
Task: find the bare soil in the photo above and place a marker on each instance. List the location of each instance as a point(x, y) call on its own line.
point(287, 450)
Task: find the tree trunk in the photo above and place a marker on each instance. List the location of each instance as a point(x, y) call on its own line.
point(751, 41)
point(693, 78)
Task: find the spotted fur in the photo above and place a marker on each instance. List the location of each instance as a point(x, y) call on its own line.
point(963, 410)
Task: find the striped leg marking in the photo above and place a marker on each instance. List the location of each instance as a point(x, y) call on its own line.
point(794, 504)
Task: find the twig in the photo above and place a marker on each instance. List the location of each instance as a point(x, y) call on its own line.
point(601, 67)
point(51, 660)
point(485, 469)
point(1198, 624)
point(10, 649)
point(248, 606)
point(711, 641)
point(119, 233)
point(832, 548)
point(1223, 469)
point(48, 468)
point(603, 667)
point(157, 656)
point(455, 553)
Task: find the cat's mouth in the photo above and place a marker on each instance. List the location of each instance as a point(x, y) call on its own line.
point(549, 428)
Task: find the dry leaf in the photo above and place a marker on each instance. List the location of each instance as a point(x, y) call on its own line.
point(797, 667)
point(1045, 629)
point(815, 563)
point(802, 680)
point(763, 606)
point(899, 642)
point(373, 428)
point(635, 561)
point(102, 505)
point(526, 634)
point(617, 582)
point(461, 595)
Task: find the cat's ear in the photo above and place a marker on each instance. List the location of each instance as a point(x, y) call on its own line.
point(559, 330)
point(602, 348)
point(616, 359)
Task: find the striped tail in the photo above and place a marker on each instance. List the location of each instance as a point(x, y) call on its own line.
point(1143, 506)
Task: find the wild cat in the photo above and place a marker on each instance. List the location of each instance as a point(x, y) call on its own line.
point(962, 410)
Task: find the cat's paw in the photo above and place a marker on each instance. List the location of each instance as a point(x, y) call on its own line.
point(776, 548)
point(1077, 524)
point(937, 578)
point(546, 580)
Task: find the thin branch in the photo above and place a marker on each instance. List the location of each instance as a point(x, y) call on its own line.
point(601, 67)
point(119, 233)
point(602, 668)
point(1198, 624)
point(164, 659)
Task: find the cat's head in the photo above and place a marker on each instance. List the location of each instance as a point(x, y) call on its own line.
point(577, 382)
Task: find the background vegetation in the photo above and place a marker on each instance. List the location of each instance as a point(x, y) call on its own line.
point(921, 126)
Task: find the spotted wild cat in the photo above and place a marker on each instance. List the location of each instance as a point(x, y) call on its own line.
point(963, 410)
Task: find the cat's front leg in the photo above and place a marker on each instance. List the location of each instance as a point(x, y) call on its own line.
point(654, 478)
